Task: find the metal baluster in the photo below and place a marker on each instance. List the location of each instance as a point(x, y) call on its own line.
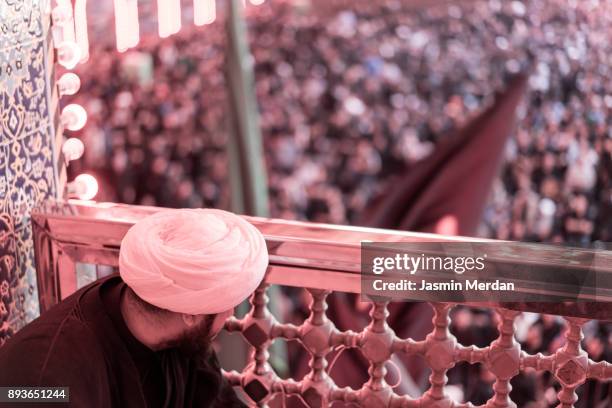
point(504, 360)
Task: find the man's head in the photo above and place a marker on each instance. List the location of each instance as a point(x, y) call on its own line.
point(187, 270)
point(190, 333)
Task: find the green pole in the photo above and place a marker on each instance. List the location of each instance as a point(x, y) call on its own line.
point(247, 171)
point(248, 179)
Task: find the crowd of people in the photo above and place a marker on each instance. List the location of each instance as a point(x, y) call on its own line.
point(156, 127)
point(347, 97)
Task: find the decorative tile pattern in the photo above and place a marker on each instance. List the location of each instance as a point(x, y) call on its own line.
point(27, 174)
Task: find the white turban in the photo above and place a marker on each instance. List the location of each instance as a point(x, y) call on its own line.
point(201, 261)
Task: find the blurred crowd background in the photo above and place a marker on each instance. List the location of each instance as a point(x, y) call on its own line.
point(347, 96)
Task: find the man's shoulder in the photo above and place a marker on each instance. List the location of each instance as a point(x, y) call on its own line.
point(36, 353)
point(60, 339)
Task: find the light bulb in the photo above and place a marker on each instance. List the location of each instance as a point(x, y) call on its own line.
point(73, 149)
point(62, 17)
point(164, 24)
point(133, 25)
point(80, 28)
point(121, 25)
point(168, 17)
point(74, 117)
point(127, 25)
point(68, 54)
point(61, 14)
point(69, 84)
point(176, 16)
point(204, 12)
point(84, 187)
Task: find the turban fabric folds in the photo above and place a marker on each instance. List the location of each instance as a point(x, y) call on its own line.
point(194, 261)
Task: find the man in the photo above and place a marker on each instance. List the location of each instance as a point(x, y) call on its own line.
point(144, 339)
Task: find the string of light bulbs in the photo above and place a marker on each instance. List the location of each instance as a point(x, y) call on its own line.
point(169, 18)
point(71, 39)
point(69, 31)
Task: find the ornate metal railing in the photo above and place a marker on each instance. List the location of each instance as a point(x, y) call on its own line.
point(324, 259)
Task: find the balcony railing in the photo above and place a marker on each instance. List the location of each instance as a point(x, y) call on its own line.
point(322, 259)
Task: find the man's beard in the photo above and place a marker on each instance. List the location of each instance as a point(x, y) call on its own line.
point(194, 347)
point(196, 344)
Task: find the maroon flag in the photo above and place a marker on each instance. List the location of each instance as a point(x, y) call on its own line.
point(444, 193)
point(448, 190)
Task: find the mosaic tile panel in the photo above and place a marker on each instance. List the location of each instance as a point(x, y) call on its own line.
point(27, 174)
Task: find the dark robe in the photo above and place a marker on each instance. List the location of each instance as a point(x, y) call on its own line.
point(84, 344)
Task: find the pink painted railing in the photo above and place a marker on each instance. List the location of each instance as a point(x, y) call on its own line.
point(324, 259)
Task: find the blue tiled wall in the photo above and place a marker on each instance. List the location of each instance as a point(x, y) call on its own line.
point(27, 173)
